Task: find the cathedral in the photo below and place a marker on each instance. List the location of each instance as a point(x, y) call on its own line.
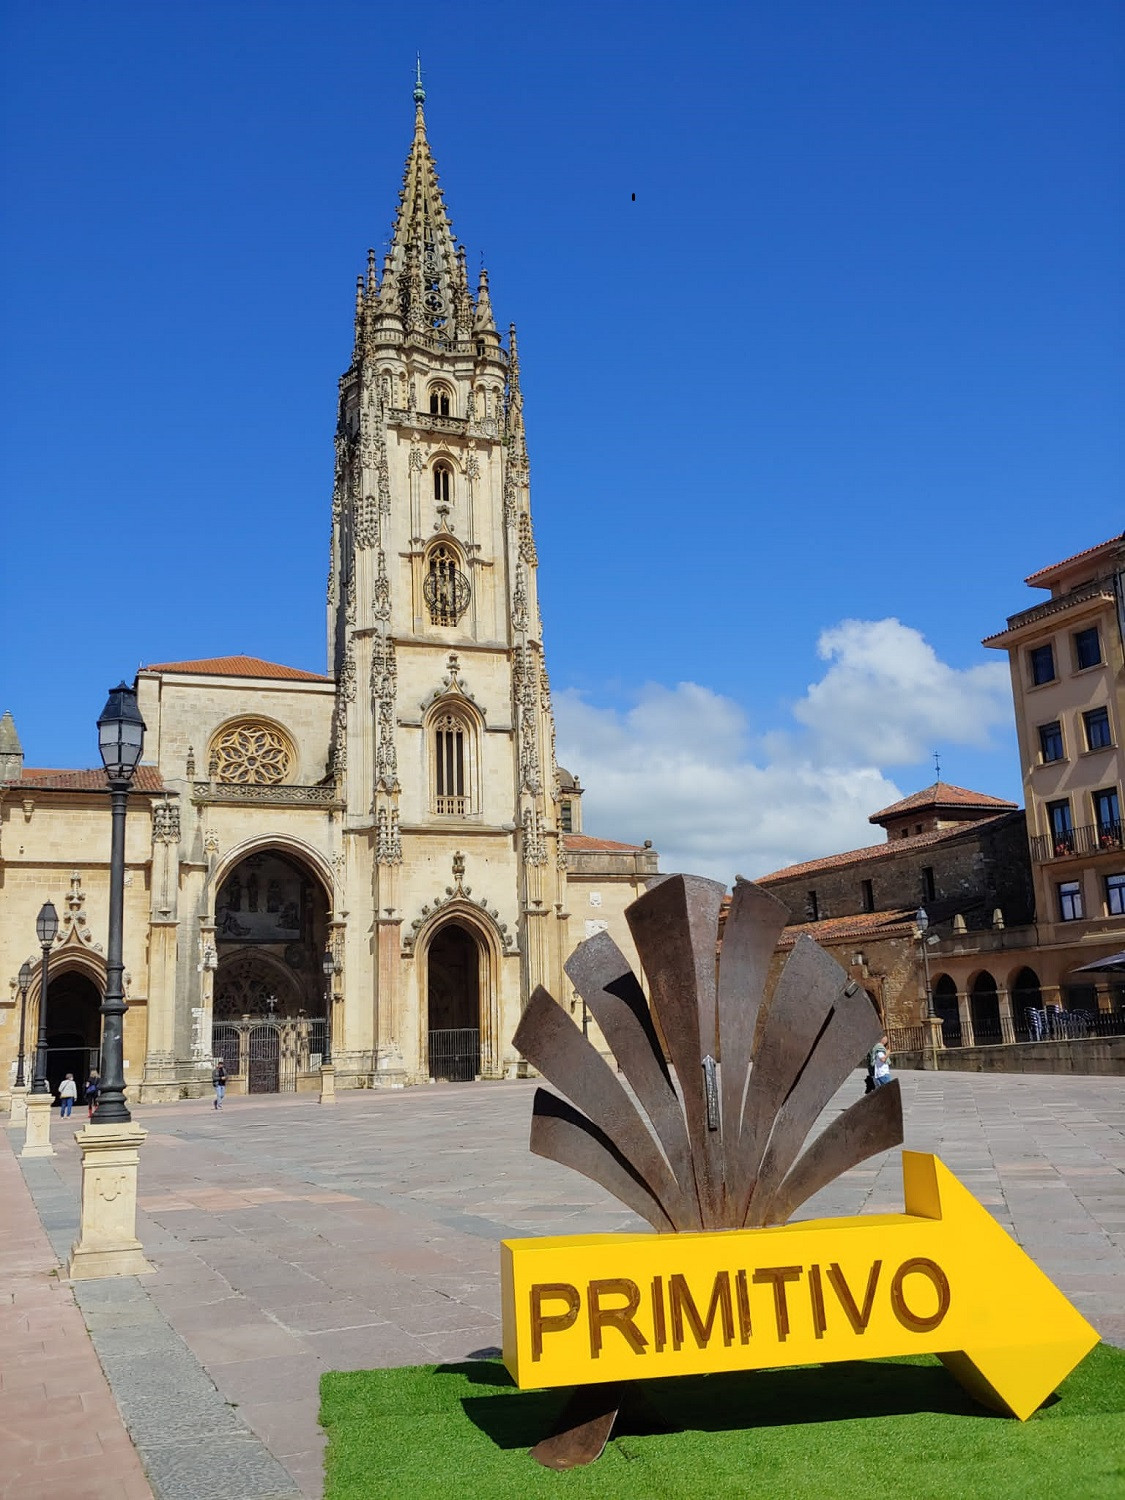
point(376, 865)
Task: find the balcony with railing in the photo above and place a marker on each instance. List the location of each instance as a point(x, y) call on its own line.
point(1097, 588)
point(1090, 838)
point(451, 807)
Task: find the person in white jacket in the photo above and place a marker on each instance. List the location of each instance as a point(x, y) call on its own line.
point(68, 1092)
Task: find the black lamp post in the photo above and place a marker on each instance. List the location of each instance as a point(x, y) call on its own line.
point(922, 924)
point(25, 985)
point(328, 964)
point(46, 925)
point(121, 734)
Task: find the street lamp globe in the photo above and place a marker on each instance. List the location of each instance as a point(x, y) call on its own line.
point(121, 733)
point(328, 964)
point(46, 924)
point(25, 976)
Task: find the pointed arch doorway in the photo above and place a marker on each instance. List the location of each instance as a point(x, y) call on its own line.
point(453, 983)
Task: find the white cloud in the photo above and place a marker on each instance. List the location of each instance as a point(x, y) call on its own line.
point(887, 696)
point(679, 767)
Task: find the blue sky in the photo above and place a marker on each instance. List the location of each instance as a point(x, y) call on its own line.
point(853, 353)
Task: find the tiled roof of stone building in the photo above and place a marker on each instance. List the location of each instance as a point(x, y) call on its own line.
point(1033, 578)
point(880, 851)
point(236, 666)
point(940, 795)
point(146, 779)
point(587, 843)
point(867, 924)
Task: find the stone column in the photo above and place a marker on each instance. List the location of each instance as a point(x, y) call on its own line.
point(934, 1041)
point(37, 1140)
point(965, 1011)
point(327, 1084)
point(17, 1106)
point(390, 1066)
point(107, 1227)
point(1007, 1024)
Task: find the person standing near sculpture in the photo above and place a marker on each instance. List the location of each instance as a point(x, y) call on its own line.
point(92, 1090)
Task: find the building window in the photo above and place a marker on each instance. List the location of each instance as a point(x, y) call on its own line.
point(566, 815)
point(440, 405)
point(1115, 895)
point(1042, 663)
point(917, 828)
point(812, 907)
point(1096, 721)
point(1062, 829)
point(1050, 741)
point(1070, 901)
point(450, 761)
point(867, 895)
point(929, 889)
point(443, 483)
point(1107, 816)
point(446, 589)
point(1087, 648)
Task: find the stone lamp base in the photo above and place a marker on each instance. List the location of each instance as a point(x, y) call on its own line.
point(17, 1109)
point(37, 1139)
point(107, 1230)
point(327, 1084)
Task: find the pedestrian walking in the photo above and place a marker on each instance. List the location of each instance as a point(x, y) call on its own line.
point(882, 1059)
point(68, 1093)
point(869, 1081)
point(92, 1090)
point(219, 1079)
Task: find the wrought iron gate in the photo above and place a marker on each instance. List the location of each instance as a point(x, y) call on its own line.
point(263, 1059)
point(455, 1055)
point(272, 1053)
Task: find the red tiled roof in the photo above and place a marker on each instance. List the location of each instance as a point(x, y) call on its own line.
point(236, 666)
point(942, 794)
point(868, 924)
point(146, 779)
point(877, 851)
point(586, 843)
point(1077, 557)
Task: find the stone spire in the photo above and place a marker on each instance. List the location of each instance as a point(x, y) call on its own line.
point(11, 751)
point(484, 321)
point(423, 275)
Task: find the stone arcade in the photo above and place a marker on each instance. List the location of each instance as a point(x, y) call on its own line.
point(403, 814)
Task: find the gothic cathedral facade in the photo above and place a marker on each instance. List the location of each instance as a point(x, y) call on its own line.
point(379, 863)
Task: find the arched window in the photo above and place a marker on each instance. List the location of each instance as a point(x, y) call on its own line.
point(453, 749)
point(443, 483)
point(441, 404)
point(446, 589)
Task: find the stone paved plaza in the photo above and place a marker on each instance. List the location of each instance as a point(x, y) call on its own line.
point(289, 1239)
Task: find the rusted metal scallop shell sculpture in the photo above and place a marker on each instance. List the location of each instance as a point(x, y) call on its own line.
point(715, 1141)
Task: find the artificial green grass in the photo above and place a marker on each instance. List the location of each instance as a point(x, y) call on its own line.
point(831, 1432)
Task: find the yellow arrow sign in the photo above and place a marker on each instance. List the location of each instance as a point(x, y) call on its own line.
point(943, 1278)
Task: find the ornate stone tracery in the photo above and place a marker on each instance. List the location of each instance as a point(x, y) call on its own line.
point(251, 751)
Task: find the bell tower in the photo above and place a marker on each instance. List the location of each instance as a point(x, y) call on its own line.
point(443, 735)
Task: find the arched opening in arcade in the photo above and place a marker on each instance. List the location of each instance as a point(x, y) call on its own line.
point(984, 1007)
point(74, 1029)
point(945, 1008)
point(270, 1009)
point(1028, 1015)
point(453, 989)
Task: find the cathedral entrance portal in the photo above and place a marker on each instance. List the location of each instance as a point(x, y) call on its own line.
point(271, 931)
point(74, 1026)
point(453, 991)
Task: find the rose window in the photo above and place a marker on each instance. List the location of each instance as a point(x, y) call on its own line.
point(251, 753)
